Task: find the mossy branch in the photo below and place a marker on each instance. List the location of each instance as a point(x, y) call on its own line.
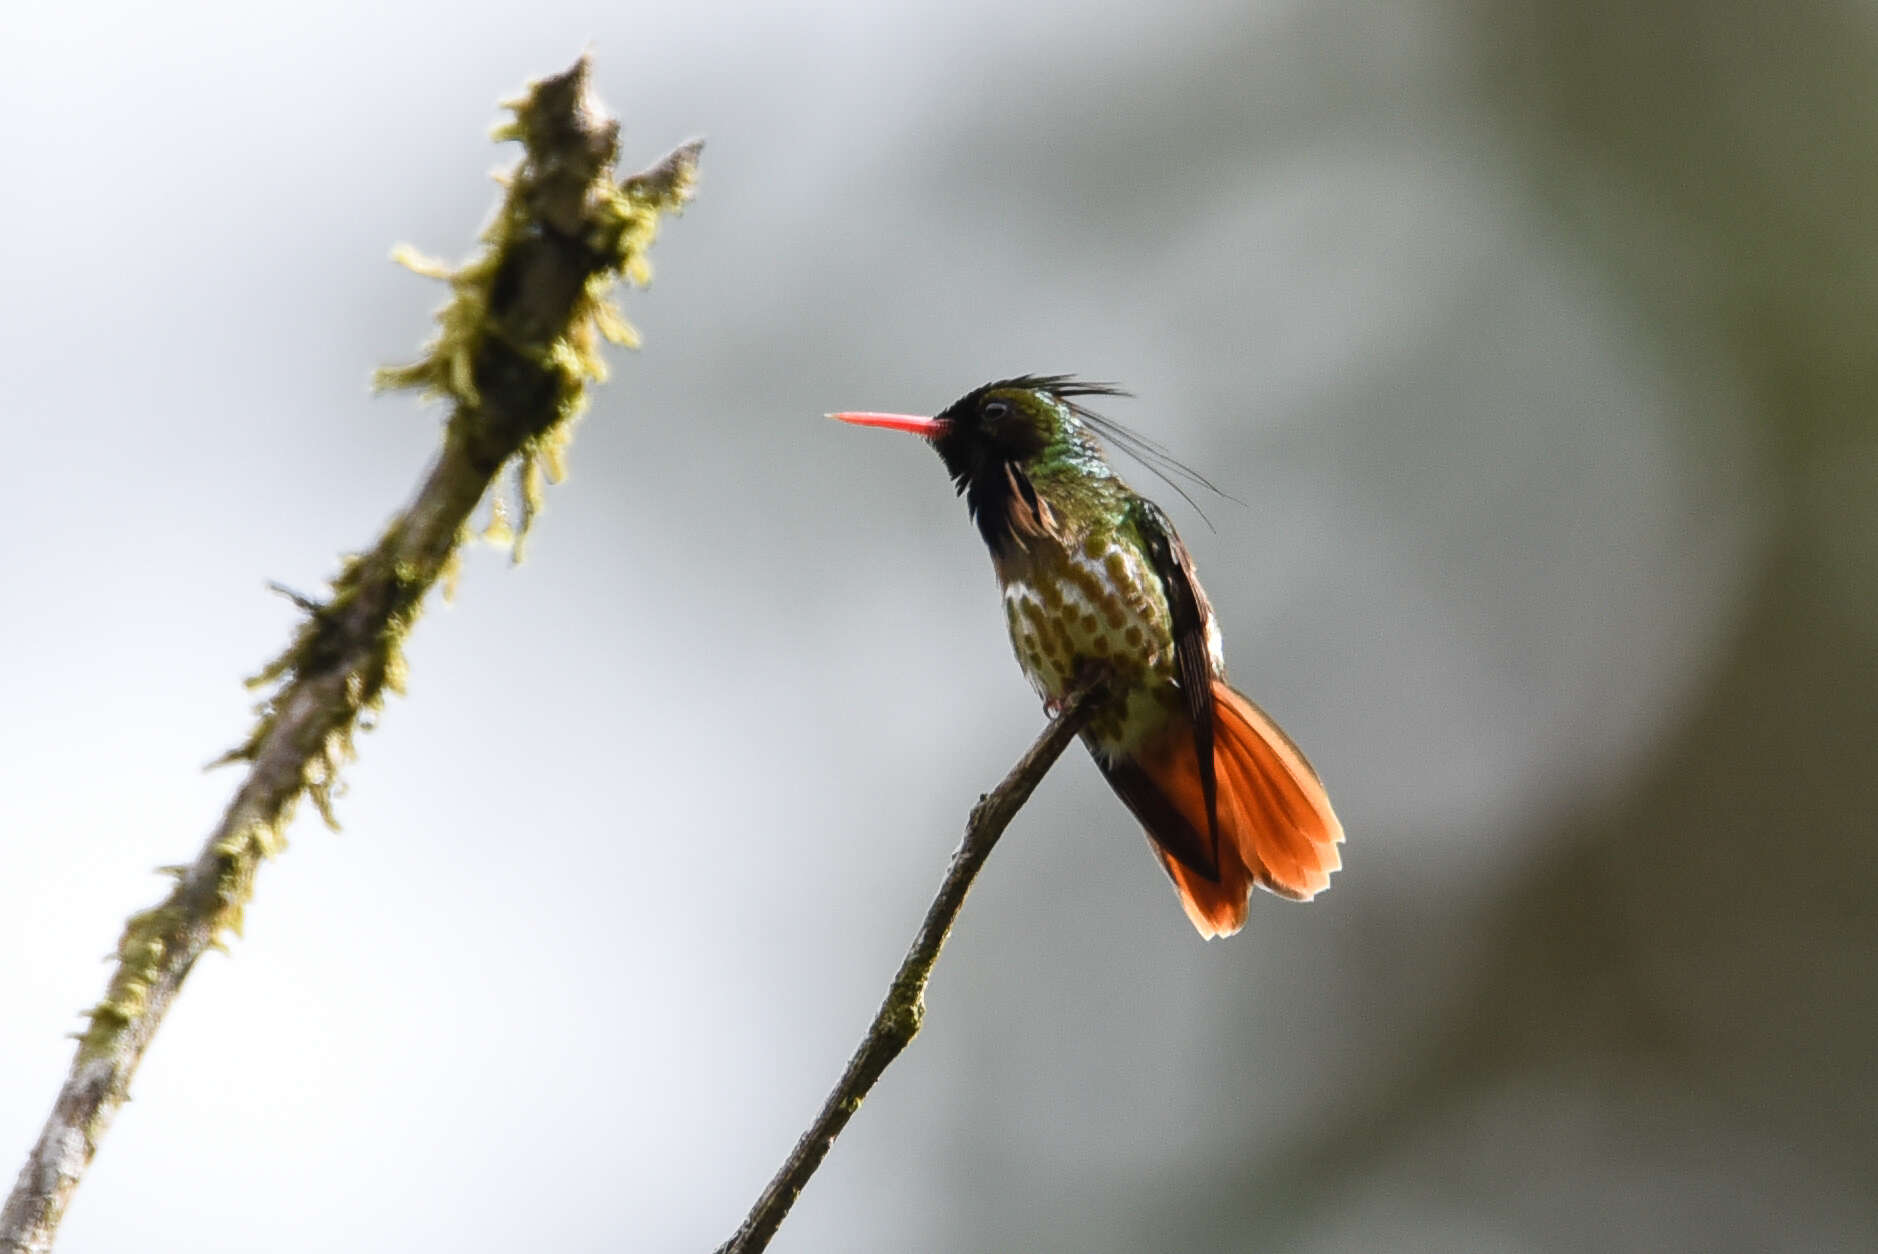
point(904, 1009)
point(516, 347)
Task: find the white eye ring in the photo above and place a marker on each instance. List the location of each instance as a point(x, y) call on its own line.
point(995, 410)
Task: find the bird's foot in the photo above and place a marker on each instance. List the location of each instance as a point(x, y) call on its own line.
point(1091, 674)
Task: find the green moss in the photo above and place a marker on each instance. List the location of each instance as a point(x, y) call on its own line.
point(904, 1011)
point(348, 651)
point(141, 951)
point(619, 224)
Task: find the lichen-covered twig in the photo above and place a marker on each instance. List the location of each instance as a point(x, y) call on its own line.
point(516, 347)
point(900, 1015)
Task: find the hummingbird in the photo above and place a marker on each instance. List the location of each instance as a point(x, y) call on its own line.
point(1093, 575)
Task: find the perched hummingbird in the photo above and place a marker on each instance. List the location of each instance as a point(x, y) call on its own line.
point(1093, 574)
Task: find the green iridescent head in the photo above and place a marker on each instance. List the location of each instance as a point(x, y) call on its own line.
point(1026, 421)
point(1003, 441)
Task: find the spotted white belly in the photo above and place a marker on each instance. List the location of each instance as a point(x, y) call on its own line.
point(1095, 602)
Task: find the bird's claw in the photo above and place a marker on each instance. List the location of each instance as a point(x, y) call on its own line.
point(1090, 674)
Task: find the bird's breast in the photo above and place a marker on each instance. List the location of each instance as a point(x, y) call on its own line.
point(1095, 600)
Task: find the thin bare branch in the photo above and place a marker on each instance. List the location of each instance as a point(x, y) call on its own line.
point(904, 1009)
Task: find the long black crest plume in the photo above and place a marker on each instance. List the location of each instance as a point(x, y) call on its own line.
point(1162, 464)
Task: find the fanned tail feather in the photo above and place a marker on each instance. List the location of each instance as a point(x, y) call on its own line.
point(1276, 827)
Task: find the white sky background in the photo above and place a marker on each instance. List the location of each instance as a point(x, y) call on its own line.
point(623, 877)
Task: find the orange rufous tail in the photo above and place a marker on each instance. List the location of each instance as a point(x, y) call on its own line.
point(1276, 827)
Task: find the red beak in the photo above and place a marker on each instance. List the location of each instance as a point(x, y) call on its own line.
point(928, 428)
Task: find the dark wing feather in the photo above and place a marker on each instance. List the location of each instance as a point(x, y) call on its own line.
point(1167, 827)
point(1190, 612)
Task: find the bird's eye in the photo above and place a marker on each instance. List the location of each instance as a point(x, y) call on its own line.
point(994, 411)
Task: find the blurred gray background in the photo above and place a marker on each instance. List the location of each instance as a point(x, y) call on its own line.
point(1537, 337)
